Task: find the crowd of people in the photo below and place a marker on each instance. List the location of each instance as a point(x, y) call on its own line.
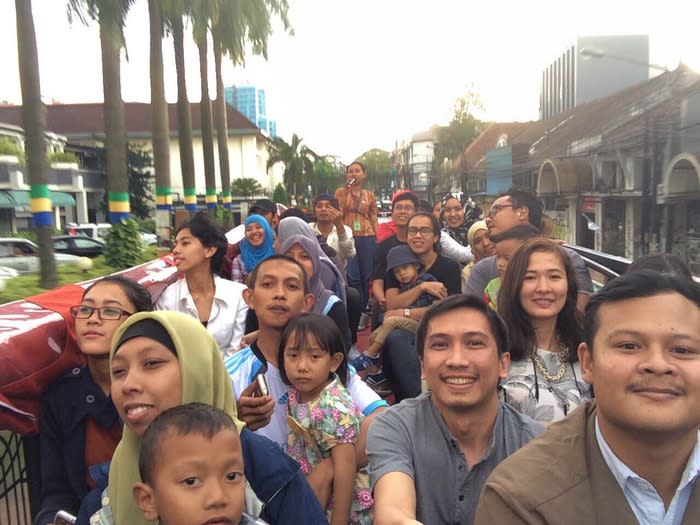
point(496, 388)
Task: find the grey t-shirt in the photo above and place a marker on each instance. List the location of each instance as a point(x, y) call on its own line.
point(485, 270)
point(412, 438)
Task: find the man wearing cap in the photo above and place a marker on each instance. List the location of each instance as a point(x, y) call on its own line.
point(329, 225)
point(267, 209)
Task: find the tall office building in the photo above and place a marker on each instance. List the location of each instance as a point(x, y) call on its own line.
point(592, 68)
point(250, 101)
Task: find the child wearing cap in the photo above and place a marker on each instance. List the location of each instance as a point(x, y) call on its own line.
point(407, 269)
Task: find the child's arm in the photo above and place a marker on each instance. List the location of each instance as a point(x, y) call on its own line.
point(343, 482)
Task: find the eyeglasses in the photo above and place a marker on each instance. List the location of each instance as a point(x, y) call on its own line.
point(106, 313)
point(496, 208)
point(425, 231)
point(407, 207)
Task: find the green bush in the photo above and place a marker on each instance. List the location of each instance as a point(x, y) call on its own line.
point(9, 147)
point(148, 225)
point(123, 247)
point(62, 156)
point(280, 195)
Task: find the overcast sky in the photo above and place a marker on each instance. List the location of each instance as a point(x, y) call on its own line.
point(359, 74)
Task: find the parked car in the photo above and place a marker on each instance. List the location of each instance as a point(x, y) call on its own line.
point(23, 255)
point(99, 231)
point(79, 245)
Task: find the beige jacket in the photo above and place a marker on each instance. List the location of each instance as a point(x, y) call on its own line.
point(561, 478)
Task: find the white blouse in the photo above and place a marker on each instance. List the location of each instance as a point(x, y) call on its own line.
point(228, 312)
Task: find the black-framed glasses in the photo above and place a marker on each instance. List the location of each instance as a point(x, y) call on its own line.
point(106, 313)
point(498, 207)
point(425, 231)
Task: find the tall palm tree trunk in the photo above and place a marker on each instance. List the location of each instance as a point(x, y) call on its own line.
point(34, 121)
point(184, 121)
point(115, 129)
point(160, 124)
point(207, 127)
point(222, 129)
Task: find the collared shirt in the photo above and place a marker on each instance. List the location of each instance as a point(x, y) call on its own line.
point(226, 321)
point(647, 505)
point(413, 438)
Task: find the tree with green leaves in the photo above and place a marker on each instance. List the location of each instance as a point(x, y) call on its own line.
point(378, 165)
point(279, 195)
point(329, 174)
point(111, 17)
point(462, 129)
point(239, 23)
point(298, 162)
point(34, 122)
point(246, 187)
point(140, 162)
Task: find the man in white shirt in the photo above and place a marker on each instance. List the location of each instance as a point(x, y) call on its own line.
point(329, 224)
point(632, 456)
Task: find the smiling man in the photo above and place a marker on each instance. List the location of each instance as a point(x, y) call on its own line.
point(430, 456)
point(631, 456)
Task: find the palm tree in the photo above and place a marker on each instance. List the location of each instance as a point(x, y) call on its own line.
point(173, 12)
point(34, 122)
point(204, 13)
point(238, 22)
point(297, 160)
point(159, 117)
point(111, 16)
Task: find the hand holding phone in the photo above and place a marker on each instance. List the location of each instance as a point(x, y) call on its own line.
point(63, 518)
point(262, 384)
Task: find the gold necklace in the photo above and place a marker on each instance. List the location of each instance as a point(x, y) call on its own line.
point(561, 354)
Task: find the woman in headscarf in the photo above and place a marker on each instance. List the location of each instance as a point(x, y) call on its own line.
point(458, 214)
point(481, 245)
point(329, 272)
point(256, 246)
point(159, 360)
point(307, 252)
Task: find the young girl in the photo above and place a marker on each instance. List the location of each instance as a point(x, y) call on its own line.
point(256, 246)
point(323, 421)
point(159, 360)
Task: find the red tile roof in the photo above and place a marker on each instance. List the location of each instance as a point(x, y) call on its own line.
point(88, 119)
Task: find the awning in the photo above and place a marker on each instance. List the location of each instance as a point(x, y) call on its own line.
point(20, 199)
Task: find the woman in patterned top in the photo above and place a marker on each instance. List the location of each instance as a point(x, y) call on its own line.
point(538, 303)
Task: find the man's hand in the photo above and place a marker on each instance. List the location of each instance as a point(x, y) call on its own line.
point(256, 412)
point(393, 313)
point(336, 217)
point(248, 339)
point(434, 288)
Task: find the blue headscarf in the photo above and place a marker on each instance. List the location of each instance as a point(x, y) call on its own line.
point(252, 255)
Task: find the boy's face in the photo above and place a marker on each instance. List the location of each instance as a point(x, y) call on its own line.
point(406, 273)
point(278, 294)
point(196, 480)
point(504, 253)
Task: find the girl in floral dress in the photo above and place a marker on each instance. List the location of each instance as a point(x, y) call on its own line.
point(323, 421)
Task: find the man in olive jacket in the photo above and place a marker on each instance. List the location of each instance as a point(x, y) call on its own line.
point(632, 456)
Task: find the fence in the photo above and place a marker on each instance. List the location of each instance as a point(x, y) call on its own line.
point(15, 506)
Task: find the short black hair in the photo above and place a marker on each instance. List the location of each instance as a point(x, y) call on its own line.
point(521, 232)
point(279, 257)
point(663, 263)
point(190, 418)
point(521, 197)
point(406, 196)
point(324, 330)
point(210, 235)
point(634, 285)
point(137, 294)
point(435, 225)
point(456, 302)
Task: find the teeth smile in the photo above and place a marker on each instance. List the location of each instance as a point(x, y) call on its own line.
point(459, 380)
point(137, 410)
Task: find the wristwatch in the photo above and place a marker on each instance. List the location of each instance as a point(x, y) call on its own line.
point(406, 312)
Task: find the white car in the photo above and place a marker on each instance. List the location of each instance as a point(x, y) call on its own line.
point(99, 231)
point(22, 255)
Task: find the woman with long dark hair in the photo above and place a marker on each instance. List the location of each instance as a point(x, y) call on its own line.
point(538, 303)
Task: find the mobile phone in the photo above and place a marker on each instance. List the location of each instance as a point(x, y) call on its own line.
point(64, 518)
point(262, 384)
